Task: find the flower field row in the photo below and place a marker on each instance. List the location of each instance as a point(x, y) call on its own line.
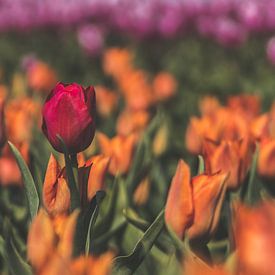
point(106, 179)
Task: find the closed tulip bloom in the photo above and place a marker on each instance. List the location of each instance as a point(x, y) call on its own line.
point(69, 111)
point(40, 76)
point(164, 86)
point(254, 231)
point(193, 205)
point(233, 157)
point(179, 210)
point(120, 149)
point(208, 197)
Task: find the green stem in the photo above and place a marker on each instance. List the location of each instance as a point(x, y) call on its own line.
point(75, 169)
point(71, 169)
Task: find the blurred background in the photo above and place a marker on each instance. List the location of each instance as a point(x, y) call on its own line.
point(151, 62)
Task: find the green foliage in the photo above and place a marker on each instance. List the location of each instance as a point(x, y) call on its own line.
point(30, 187)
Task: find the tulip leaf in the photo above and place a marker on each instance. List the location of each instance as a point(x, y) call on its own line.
point(133, 177)
point(135, 220)
point(142, 157)
point(75, 197)
point(110, 214)
point(30, 187)
point(99, 197)
point(127, 265)
point(177, 242)
point(163, 242)
point(84, 224)
point(201, 165)
point(15, 262)
point(252, 194)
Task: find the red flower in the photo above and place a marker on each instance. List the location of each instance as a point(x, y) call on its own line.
point(69, 111)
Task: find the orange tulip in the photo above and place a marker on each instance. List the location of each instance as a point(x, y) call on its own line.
point(117, 61)
point(161, 140)
point(247, 105)
point(56, 193)
point(106, 101)
point(41, 77)
point(198, 130)
point(137, 91)
point(21, 115)
point(56, 265)
point(254, 232)
point(142, 192)
point(233, 157)
point(9, 171)
point(195, 266)
point(120, 149)
point(193, 205)
point(66, 239)
point(132, 122)
point(209, 105)
point(50, 241)
point(259, 127)
point(41, 240)
point(164, 86)
point(266, 159)
point(208, 197)
point(179, 210)
point(91, 265)
point(100, 165)
point(223, 124)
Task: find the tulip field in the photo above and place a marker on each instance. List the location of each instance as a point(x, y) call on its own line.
point(137, 137)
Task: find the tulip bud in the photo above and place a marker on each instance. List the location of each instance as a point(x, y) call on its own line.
point(142, 192)
point(208, 197)
point(179, 210)
point(69, 111)
point(194, 205)
point(120, 149)
point(56, 193)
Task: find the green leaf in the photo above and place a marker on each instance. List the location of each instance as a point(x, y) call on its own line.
point(135, 220)
point(127, 265)
point(99, 197)
point(163, 242)
point(15, 262)
point(30, 187)
point(143, 155)
point(252, 194)
point(84, 224)
point(75, 197)
point(201, 165)
point(111, 211)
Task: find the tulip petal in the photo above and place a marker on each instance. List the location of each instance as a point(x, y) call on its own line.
point(179, 209)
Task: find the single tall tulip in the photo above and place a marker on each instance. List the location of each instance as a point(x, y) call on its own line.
point(69, 111)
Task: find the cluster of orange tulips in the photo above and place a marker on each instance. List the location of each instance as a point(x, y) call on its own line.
point(90, 212)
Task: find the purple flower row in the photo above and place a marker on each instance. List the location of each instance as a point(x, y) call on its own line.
point(229, 22)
